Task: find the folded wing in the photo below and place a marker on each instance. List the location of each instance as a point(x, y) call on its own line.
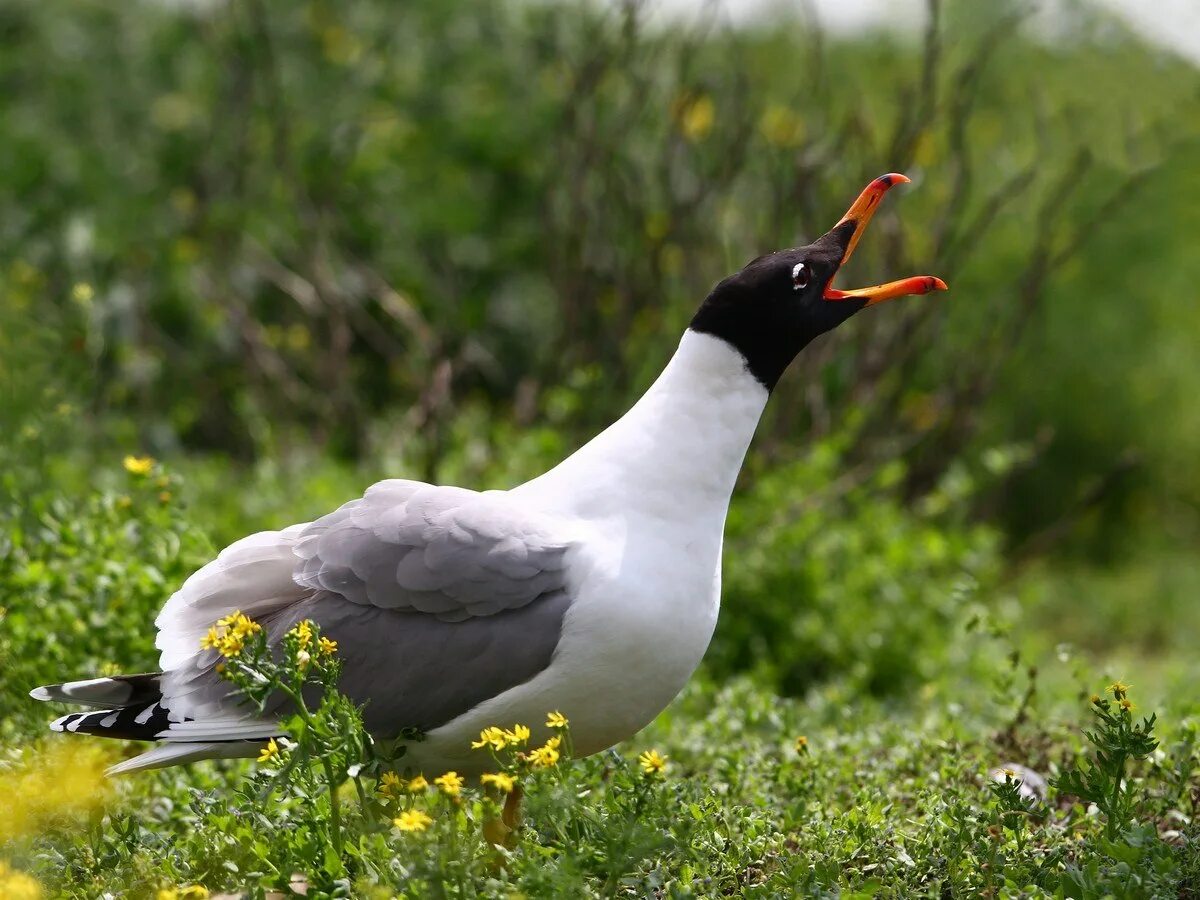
point(439, 598)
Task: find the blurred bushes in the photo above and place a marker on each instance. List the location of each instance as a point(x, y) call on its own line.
point(264, 224)
point(832, 577)
point(451, 240)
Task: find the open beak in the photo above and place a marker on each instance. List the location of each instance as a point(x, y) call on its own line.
point(858, 216)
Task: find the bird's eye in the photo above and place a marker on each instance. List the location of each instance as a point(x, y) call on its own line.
point(801, 275)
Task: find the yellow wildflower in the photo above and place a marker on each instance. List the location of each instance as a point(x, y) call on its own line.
point(327, 647)
point(82, 292)
point(138, 465)
point(269, 752)
point(191, 892)
point(239, 624)
point(556, 720)
point(59, 782)
point(303, 633)
point(228, 636)
point(546, 755)
point(389, 784)
point(1119, 689)
point(1095, 699)
point(501, 780)
point(16, 885)
point(1127, 705)
point(417, 784)
point(451, 783)
point(518, 735)
point(490, 737)
point(801, 744)
point(232, 644)
point(695, 115)
point(412, 820)
point(652, 762)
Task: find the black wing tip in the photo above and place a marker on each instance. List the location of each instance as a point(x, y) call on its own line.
point(117, 691)
point(134, 723)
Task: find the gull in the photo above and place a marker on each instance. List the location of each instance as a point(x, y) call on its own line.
point(592, 590)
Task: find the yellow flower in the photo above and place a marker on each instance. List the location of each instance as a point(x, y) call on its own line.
point(1119, 689)
point(546, 755)
point(389, 783)
point(490, 737)
point(240, 624)
point(138, 465)
point(556, 720)
point(498, 738)
point(269, 752)
point(696, 115)
point(801, 744)
point(451, 783)
point(518, 735)
point(191, 892)
point(417, 784)
point(15, 885)
point(303, 633)
point(781, 126)
point(327, 647)
point(82, 292)
point(232, 644)
point(412, 820)
point(502, 780)
point(652, 762)
point(1127, 705)
point(228, 636)
point(1095, 699)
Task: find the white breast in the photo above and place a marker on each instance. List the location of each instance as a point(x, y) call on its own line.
point(645, 502)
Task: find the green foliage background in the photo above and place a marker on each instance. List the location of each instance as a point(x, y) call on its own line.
point(290, 248)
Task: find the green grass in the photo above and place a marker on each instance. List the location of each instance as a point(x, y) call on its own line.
point(890, 794)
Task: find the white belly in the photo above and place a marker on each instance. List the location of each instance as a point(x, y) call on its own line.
point(643, 617)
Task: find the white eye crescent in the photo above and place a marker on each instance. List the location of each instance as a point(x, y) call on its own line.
point(801, 275)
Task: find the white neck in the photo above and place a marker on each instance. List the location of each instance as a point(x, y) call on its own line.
point(677, 452)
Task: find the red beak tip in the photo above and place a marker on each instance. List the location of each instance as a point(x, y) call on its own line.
point(936, 284)
point(893, 178)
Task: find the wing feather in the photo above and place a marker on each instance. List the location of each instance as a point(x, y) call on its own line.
point(439, 598)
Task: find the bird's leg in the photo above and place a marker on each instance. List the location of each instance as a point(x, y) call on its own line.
point(501, 830)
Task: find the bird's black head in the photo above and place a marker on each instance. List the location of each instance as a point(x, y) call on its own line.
point(778, 303)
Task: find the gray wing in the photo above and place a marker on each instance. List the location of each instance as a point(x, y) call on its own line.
point(439, 598)
point(448, 552)
point(412, 670)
